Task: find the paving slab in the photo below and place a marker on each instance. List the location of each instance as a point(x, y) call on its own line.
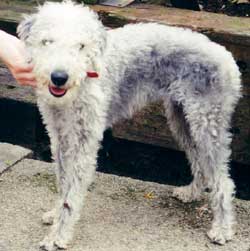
point(9, 155)
point(120, 214)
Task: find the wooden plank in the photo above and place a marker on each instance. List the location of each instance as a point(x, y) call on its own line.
point(20, 119)
point(9, 89)
point(237, 28)
point(150, 125)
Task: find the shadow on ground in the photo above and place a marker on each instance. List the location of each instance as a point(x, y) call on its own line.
point(157, 164)
point(120, 157)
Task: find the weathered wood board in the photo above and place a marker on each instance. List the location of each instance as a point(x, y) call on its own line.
point(150, 125)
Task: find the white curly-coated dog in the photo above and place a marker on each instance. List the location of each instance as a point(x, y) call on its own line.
point(90, 77)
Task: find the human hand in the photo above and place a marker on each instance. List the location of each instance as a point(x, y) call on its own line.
point(12, 53)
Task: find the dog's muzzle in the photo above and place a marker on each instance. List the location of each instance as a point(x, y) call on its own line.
point(59, 79)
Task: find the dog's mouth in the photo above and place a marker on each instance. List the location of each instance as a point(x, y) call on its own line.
point(57, 92)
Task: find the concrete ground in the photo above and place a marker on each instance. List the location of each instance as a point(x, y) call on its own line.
point(120, 214)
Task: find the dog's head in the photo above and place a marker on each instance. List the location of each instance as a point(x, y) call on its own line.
point(65, 42)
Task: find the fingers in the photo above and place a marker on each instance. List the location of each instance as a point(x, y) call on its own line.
point(23, 74)
point(27, 83)
point(26, 79)
point(23, 68)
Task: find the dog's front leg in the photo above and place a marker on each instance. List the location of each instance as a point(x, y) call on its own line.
point(76, 170)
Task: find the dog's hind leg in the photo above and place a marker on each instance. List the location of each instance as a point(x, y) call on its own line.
point(180, 129)
point(209, 121)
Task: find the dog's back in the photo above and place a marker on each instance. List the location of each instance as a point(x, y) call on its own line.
point(152, 61)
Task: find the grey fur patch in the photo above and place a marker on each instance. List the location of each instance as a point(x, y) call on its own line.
point(156, 72)
point(24, 28)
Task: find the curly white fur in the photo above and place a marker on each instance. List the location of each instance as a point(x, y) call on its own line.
point(197, 79)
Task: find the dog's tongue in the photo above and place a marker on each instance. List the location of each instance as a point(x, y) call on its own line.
point(57, 91)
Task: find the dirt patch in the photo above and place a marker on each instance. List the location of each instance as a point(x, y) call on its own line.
point(196, 215)
point(41, 180)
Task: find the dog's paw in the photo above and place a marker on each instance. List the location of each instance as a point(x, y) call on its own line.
point(51, 244)
point(48, 217)
point(220, 235)
point(185, 194)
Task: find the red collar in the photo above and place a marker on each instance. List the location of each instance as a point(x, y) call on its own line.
point(92, 74)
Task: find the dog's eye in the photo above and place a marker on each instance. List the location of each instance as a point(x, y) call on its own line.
point(81, 47)
point(46, 42)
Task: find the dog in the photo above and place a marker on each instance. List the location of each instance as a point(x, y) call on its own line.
point(90, 77)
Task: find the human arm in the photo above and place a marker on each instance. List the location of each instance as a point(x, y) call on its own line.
point(12, 53)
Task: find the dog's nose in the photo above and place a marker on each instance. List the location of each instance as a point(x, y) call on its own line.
point(59, 78)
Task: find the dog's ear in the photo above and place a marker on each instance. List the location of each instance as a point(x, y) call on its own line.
point(24, 28)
